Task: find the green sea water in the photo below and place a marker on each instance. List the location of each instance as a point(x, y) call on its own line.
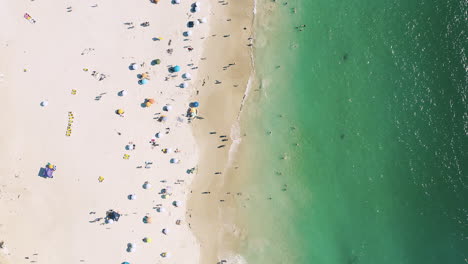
point(355, 147)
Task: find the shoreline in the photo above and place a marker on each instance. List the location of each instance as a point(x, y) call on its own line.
point(227, 84)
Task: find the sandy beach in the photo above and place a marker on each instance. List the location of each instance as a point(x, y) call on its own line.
point(76, 58)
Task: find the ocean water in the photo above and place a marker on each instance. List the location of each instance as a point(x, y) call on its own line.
point(355, 133)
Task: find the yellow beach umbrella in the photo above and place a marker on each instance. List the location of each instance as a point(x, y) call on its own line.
point(144, 75)
point(148, 104)
point(51, 166)
point(120, 111)
point(147, 240)
point(151, 100)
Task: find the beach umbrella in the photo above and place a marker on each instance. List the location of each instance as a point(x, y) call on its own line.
point(134, 66)
point(144, 75)
point(174, 161)
point(131, 245)
point(163, 119)
point(165, 231)
point(168, 189)
point(176, 1)
point(193, 110)
point(125, 262)
point(176, 68)
point(129, 147)
point(197, 4)
point(148, 104)
point(151, 100)
point(167, 108)
point(196, 22)
point(146, 185)
point(161, 209)
point(120, 111)
point(168, 151)
point(183, 85)
point(187, 75)
point(157, 61)
point(164, 254)
point(132, 197)
point(202, 20)
point(44, 103)
point(143, 81)
point(147, 220)
point(195, 104)
point(132, 249)
point(109, 221)
point(188, 33)
point(159, 135)
point(147, 240)
point(176, 203)
point(196, 9)
point(122, 93)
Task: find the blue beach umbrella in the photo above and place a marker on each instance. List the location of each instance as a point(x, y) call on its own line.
point(195, 104)
point(144, 81)
point(176, 68)
point(125, 262)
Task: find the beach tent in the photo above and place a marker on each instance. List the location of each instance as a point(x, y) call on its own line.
point(49, 172)
point(176, 68)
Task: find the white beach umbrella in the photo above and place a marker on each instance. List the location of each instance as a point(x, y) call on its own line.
point(188, 33)
point(168, 150)
point(167, 108)
point(109, 221)
point(146, 185)
point(187, 75)
point(131, 249)
point(131, 245)
point(123, 93)
point(134, 66)
point(132, 197)
point(196, 9)
point(161, 209)
point(176, 203)
point(129, 147)
point(176, 1)
point(44, 103)
point(197, 4)
point(183, 85)
point(196, 22)
point(202, 20)
point(165, 231)
point(168, 189)
point(174, 161)
point(159, 135)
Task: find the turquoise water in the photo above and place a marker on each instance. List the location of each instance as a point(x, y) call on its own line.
point(360, 127)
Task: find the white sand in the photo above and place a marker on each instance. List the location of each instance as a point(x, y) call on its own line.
point(48, 220)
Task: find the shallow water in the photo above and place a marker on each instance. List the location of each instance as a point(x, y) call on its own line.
point(356, 133)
